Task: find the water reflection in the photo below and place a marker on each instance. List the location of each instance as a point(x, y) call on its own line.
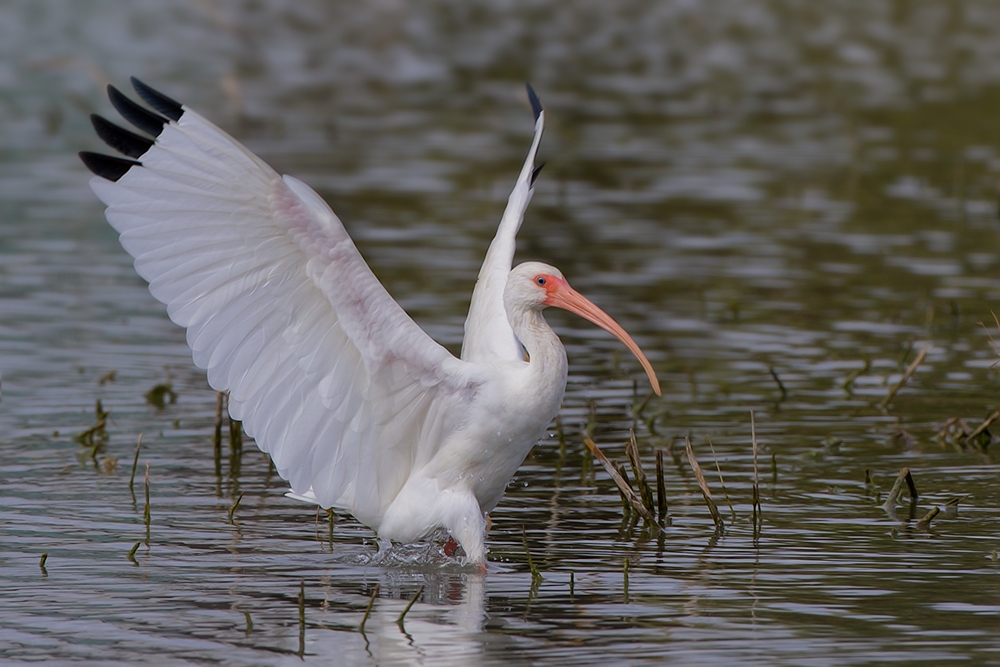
point(453, 636)
point(445, 626)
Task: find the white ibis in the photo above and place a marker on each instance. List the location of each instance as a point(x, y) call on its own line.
point(359, 408)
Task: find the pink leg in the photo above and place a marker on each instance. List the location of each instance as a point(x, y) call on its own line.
point(450, 547)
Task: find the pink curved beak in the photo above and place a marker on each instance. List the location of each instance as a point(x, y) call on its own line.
point(561, 295)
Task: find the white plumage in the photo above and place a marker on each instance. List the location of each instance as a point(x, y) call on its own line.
point(357, 406)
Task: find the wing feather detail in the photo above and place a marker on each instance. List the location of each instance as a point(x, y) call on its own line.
point(326, 371)
point(488, 335)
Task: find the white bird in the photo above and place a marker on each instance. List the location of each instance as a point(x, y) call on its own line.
point(359, 408)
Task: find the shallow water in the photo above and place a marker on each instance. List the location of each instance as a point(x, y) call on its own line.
point(745, 186)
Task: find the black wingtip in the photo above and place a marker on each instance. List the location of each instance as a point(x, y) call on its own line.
point(536, 105)
point(534, 174)
point(107, 166)
point(154, 98)
point(142, 118)
point(122, 140)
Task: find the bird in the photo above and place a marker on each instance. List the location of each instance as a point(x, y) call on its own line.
point(359, 409)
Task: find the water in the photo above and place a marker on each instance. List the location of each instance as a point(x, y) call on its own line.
point(745, 186)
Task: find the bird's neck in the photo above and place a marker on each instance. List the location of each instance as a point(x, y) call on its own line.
point(546, 354)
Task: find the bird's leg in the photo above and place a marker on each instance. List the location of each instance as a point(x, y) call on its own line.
point(467, 525)
point(450, 547)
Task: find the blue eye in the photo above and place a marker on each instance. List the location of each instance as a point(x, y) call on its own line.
point(540, 280)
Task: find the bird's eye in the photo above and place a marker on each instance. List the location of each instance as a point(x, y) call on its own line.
point(540, 281)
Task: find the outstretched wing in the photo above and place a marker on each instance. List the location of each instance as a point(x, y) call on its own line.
point(326, 371)
point(488, 336)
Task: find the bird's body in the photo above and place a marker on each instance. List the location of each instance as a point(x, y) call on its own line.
point(359, 409)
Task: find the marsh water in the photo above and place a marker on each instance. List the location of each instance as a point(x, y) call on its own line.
point(784, 202)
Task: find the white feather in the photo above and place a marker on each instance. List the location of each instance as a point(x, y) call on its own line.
point(488, 335)
point(325, 370)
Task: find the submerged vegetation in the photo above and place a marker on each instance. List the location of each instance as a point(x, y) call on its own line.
point(161, 395)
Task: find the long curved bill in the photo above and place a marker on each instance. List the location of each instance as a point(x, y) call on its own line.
point(567, 298)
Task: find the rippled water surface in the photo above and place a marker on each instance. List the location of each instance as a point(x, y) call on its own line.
point(784, 202)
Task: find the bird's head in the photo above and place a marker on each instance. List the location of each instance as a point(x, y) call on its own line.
point(534, 286)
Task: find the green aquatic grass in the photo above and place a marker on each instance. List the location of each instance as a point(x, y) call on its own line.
point(135, 463)
point(406, 610)
point(368, 610)
point(161, 395)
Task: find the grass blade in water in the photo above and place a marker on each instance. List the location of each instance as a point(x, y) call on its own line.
point(661, 488)
point(757, 517)
point(713, 510)
point(906, 376)
point(232, 510)
point(925, 523)
point(302, 616)
point(135, 463)
point(722, 482)
point(146, 515)
point(979, 430)
point(897, 487)
point(368, 609)
point(626, 503)
point(632, 450)
point(402, 615)
point(535, 574)
point(623, 486)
